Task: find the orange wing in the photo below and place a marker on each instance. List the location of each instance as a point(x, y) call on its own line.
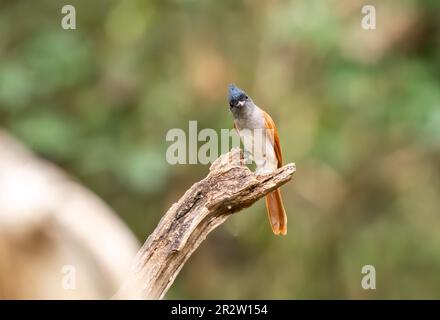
point(274, 202)
point(276, 139)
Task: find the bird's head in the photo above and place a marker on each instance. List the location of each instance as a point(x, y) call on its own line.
point(237, 97)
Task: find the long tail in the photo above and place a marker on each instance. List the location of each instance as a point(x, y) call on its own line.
point(277, 214)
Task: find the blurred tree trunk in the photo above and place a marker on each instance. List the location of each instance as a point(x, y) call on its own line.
point(57, 239)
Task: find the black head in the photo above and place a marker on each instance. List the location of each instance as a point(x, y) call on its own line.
point(237, 97)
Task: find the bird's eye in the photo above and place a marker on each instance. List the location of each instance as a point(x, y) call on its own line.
point(230, 104)
point(246, 97)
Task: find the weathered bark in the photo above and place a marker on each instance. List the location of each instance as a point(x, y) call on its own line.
point(229, 187)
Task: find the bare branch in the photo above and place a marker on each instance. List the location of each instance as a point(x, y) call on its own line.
point(229, 187)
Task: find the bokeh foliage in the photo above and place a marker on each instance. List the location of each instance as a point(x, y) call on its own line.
point(358, 112)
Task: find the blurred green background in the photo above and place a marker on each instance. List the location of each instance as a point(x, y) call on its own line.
point(358, 112)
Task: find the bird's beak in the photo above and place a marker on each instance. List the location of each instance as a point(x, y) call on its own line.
point(240, 103)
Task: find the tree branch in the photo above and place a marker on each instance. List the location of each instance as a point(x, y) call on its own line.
point(229, 187)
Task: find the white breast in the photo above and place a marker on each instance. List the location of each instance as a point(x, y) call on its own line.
point(257, 141)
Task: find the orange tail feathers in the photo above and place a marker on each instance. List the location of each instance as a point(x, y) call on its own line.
point(277, 214)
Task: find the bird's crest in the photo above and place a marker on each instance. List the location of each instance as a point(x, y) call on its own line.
point(235, 93)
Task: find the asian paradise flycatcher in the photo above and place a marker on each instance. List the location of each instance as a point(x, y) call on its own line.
point(262, 143)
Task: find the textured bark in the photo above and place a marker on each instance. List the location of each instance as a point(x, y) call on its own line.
point(229, 187)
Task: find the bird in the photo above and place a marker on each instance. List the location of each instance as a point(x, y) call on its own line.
point(261, 142)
